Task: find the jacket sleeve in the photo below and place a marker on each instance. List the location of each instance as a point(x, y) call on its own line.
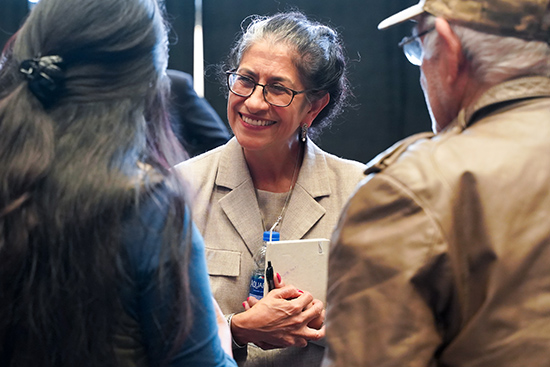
point(202, 347)
point(195, 122)
point(150, 307)
point(388, 280)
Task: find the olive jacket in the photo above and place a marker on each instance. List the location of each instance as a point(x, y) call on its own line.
point(442, 256)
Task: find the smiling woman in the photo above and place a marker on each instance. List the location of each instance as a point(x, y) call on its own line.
point(286, 79)
point(260, 125)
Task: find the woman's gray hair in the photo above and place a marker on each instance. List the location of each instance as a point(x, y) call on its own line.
point(319, 57)
point(497, 58)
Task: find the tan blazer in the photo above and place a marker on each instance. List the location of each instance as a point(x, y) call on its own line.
point(226, 211)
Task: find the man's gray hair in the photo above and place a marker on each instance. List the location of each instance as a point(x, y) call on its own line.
point(497, 58)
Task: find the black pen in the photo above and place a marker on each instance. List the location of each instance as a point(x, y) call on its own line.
point(269, 276)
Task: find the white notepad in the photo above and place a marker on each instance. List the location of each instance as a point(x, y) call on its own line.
point(301, 263)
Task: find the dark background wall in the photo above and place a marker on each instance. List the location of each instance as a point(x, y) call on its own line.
point(388, 103)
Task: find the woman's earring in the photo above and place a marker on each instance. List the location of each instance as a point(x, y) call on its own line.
point(303, 133)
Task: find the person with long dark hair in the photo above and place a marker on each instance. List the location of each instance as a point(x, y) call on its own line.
point(100, 264)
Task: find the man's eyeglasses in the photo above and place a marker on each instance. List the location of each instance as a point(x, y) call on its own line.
point(275, 95)
point(413, 48)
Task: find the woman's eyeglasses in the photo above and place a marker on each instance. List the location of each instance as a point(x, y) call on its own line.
point(275, 95)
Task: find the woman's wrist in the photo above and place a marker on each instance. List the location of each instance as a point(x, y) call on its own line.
point(238, 342)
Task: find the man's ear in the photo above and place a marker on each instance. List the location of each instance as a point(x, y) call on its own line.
point(451, 50)
point(316, 107)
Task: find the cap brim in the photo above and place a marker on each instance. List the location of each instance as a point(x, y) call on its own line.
point(402, 16)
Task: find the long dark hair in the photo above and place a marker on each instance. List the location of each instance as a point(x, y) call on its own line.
point(73, 159)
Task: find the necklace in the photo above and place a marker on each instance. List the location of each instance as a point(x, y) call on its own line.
point(288, 196)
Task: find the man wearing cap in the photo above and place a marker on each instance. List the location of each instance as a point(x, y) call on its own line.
point(442, 256)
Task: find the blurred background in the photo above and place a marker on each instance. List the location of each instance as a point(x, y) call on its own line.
point(388, 104)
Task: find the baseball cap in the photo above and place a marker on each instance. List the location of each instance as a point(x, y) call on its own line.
point(527, 19)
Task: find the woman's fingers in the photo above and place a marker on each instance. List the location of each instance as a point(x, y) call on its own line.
point(315, 334)
point(317, 322)
point(252, 301)
point(278, 281)
point(290, 293)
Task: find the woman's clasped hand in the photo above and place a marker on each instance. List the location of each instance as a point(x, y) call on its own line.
point(285, 317)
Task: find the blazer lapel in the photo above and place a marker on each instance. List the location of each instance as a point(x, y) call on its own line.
point(240, 204)
point(313, 182)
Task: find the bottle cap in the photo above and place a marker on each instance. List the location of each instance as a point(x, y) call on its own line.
point(275, 236)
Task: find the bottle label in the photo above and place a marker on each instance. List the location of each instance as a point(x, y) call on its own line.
point(256, 286)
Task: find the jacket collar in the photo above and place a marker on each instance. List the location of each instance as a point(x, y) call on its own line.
point(303, 210)
point(504, 93)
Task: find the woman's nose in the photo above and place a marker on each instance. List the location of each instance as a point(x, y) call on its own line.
point(256, 100)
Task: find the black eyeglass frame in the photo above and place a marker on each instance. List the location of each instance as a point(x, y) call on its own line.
point(229, 73)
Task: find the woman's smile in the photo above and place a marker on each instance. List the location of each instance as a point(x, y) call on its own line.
point(256, 122)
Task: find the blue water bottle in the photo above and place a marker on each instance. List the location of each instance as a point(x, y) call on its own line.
point(257, 280)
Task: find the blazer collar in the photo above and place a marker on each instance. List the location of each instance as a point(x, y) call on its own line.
point(232, 170)
point(313, 177)
point(241, 206)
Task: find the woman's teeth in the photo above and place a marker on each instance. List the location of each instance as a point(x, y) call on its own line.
point(257, 122)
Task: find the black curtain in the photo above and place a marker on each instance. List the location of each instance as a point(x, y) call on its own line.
point(388, 103)
point(12, 14)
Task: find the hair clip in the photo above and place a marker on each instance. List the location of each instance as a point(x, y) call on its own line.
point(45, 77)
